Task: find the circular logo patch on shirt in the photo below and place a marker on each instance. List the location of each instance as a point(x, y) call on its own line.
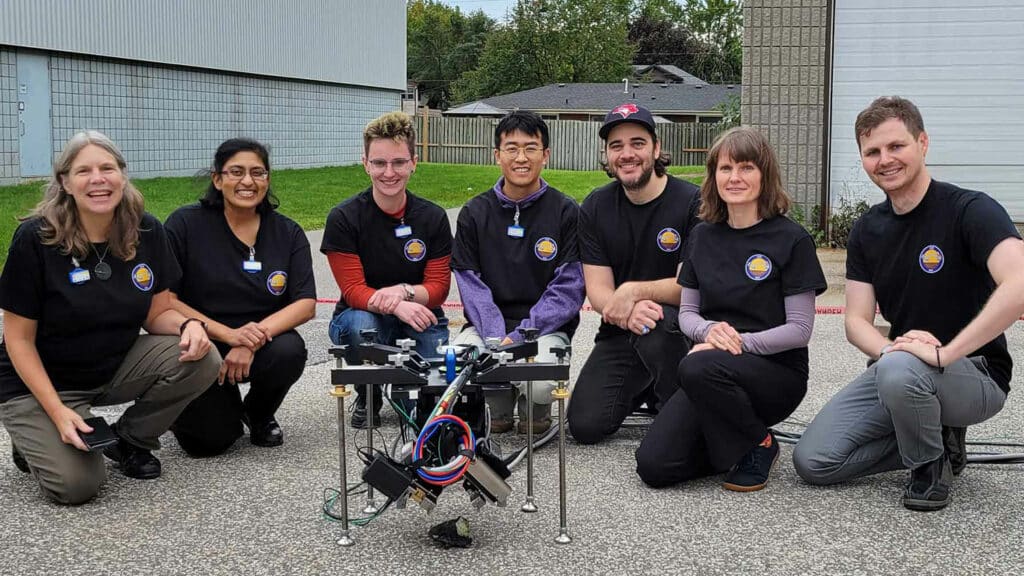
point(142, 277)
point(931, 259)
point(669, 239)
point(758, 267)
point(545, 249)
point(277, 282)
point(415, 250)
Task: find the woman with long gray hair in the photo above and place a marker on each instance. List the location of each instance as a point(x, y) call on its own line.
point(86, 270)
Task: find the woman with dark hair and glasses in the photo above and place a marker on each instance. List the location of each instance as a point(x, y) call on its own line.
point(247, 273)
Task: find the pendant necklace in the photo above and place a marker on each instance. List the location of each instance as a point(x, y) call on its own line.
point(102, 269)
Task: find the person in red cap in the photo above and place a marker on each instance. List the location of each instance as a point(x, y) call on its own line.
point(631, 234)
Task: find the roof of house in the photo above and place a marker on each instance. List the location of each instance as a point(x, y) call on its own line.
point(677, 72)
point(658, 98)
point(477, 108)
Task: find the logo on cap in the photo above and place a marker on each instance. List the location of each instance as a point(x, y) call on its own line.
point(626, 110)
point(668, 240)
point(142, 277)
point(277, 282)
point(931, 259)
point(758, 267)
point(415, 250)
point(545, 249)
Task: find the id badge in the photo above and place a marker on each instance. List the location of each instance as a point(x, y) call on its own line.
point(79, 276)
point(403, 231)
point(252, 266)
point(516, 231)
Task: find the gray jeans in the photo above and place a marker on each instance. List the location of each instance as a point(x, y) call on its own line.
point(891, 417)
point(150, 375)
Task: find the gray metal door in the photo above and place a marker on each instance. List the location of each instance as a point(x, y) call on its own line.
point(34, 114)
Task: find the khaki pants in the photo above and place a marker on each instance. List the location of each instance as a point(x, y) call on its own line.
point(150, 375)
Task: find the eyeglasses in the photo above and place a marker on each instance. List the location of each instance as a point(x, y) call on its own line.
point(398, 164)
point(531, 152)
point(238, 173)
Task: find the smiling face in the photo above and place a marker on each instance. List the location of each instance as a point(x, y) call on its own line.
point(522, 157)
point(389, 164)
point(95, 181)
point(893, 158)
point(631, 151)
point(739, 183)
point(240, 189)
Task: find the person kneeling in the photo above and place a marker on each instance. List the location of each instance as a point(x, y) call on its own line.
point(749, 279)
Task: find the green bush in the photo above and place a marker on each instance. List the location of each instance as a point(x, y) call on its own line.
point(840, 223)
point(797, 214)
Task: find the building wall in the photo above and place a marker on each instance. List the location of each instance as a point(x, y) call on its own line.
point(356, 42)
point(9, 159)
point(784, 74)
point(168, 121)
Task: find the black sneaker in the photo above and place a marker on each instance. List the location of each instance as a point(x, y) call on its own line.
point(954, 440)
point(19, 461)
point(928, 488)
point(359, 412)
point(134, 462)
point(267, 433)
point(752, 471)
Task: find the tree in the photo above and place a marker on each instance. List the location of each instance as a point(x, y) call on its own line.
point(547, 41)
point(660, 41)
point(719, 25)
point(442, 43)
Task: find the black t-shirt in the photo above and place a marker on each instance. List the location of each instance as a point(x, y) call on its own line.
point(517, 270)
point(389, 256)
point(929, 267)
point(84, 330)
point(211, 257)
point(745, 275)
point(638, 242)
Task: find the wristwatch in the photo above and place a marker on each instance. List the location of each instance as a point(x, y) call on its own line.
point(410, 292)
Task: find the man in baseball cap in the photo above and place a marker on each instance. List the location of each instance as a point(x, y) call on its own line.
point(631, 234)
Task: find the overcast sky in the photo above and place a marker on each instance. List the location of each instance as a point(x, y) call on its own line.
point(494, 8)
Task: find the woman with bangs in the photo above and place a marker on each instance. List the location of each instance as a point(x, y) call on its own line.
point(749, 278)
point(85, 272)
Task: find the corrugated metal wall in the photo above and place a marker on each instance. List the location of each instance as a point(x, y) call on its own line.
point(356, 42)
point(961, 63)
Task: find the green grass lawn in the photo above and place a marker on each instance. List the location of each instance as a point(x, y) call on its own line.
point(307, 195)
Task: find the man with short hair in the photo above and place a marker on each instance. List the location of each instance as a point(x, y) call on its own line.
point(945, 266)
point(516, 262)
point(632, 232)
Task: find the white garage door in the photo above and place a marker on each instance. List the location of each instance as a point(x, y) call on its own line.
point(962, 63)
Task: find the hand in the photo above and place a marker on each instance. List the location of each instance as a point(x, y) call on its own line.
point(194, 344)
point(252, 335)
point(919, 336)
point(235, 367)
point(924, 351)
point(700, 348)
point(387, 299)
point(416, 315)
point(620, 306)
point(69, 423)
point(644, 317)
point(725, 337)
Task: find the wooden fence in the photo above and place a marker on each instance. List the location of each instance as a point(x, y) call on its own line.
point(575, 145)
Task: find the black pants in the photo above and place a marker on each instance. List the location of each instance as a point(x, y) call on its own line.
point(621, 373)
point(725, 409)
point(213, 421)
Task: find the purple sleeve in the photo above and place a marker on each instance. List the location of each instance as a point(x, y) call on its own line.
point(795, 333)
point(693, 325)
point(478, 304)
point(561, 300)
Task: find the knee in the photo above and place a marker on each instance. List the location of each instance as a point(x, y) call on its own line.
point(78, 484)
point(694, 370)
point(206, 448)
point(650, 467)
point(811, 466)
point(894, 379)
point(289, 348)
point(202, 373)
point(584, 428)
point(345, 327)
